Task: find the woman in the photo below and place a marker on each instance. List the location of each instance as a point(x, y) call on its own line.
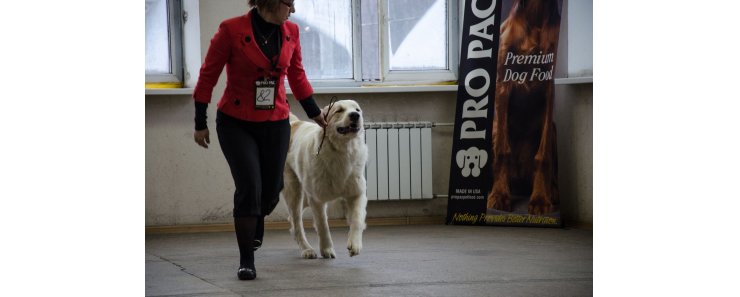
point(259, 49)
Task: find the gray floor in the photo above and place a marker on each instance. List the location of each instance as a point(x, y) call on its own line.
point(411, 260)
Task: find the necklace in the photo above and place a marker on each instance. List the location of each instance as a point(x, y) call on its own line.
point(259, 24)
point(266, 39)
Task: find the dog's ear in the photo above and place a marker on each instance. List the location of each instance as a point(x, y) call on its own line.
point(460, 157)
point(483, 158)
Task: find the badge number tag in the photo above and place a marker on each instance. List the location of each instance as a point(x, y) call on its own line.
point(264, 97)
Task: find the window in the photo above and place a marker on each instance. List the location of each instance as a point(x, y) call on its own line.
point(326, 38)
point(164, 66)
point(345, 42)
point(420, 40)
point(411, 30)
point(378, 40)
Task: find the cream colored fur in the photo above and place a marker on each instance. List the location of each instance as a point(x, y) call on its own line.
point(337, 172)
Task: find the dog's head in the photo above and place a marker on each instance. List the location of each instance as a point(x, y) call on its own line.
point(344, 119)
point(536, 13)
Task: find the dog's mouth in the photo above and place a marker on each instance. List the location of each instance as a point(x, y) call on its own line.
point(352, 128)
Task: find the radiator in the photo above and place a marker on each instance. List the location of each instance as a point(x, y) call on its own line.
point(399, 165)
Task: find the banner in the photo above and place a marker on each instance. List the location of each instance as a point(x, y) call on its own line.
point(504, 161)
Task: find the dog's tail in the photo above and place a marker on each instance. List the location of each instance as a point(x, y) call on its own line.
point(293, 118)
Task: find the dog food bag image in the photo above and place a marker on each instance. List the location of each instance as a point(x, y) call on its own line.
point(504, 168)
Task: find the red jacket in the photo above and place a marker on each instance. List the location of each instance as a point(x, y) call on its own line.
point(234, 45)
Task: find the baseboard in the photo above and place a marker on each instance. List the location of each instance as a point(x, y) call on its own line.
point(284, 225)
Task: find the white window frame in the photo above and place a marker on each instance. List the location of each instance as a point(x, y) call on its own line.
point(175, 32)
point(394, 77)
point(421, 75)
point(356, 57)
point(190, 59)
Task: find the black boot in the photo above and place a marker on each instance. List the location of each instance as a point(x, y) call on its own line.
point(245, 228)
point(246, 273)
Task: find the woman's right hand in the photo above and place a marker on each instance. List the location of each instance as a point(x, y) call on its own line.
point(202, 137)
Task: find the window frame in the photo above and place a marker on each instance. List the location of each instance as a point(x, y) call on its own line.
point(450, 74)
point(393, 77)
point(175, 40)
point(187, 56)
point(356, 80)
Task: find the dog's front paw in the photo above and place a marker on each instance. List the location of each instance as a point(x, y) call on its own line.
point(539, 205)
point(308, 254)
point(354, 248)
point(328, 253)
point(499, 201)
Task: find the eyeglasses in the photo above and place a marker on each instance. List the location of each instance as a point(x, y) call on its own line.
point(288, 4)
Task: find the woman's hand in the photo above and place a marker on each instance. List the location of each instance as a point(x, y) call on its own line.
point(321, 119)
point(202, 137)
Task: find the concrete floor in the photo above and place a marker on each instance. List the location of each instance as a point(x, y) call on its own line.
point(410, 260)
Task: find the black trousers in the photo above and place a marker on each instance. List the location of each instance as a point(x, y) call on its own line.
point(256, 153)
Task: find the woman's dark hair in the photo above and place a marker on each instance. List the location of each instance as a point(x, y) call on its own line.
point(267, 5)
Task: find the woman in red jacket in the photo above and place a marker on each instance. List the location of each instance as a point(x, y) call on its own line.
point(259, 49)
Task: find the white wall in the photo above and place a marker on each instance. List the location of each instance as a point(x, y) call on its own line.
point(186, 184)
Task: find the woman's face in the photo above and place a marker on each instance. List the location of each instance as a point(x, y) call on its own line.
point(285, 8)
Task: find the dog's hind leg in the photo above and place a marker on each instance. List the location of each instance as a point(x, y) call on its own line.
point(294, 200)
point(356, 219)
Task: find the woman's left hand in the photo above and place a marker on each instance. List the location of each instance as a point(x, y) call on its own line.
point(319, 119)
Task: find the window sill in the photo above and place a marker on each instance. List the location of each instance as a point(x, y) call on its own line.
point(382, 89)
point(574, 80)
point(375, 88)
point(169, 91)
point(422, 88)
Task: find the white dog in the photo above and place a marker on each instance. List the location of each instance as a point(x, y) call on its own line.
point(323, 166)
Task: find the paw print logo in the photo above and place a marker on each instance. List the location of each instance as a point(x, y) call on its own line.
point(472, 157)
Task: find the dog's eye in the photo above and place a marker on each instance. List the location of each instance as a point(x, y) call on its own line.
point(358, 110)
point(340, 110)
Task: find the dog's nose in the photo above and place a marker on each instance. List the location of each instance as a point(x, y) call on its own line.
point(354, 116)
